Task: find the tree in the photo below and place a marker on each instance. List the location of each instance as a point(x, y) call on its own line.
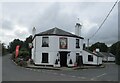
point(115, 49)
point(13, 44)
point(4, 49)
point(23, 44)
point(102, 46)
point(27, 41)
point(26, 44)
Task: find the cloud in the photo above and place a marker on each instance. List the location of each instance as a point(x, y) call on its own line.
point(21, 32)
point(7, 24)
point(20, 18)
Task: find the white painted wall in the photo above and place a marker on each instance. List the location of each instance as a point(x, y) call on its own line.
point(111, 58)
point(53, 50)
point(96, 60)
point(108, 59)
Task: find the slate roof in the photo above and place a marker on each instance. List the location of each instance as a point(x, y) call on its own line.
point(96, 54)
point(58, 32)
point(105, 54)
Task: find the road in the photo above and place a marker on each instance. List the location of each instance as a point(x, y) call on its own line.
point(11, 72)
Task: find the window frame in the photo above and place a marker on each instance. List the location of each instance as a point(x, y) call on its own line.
point(44, 58)
point(90, 58)
point(43, 41)
point(77, 43)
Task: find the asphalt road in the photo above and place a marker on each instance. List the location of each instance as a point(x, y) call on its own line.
point(11, 72)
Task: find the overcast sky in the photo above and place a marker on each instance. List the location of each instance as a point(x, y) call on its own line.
point(18, 19)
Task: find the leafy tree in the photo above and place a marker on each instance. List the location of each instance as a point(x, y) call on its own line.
point(102, 46)
point(13, 44)
point(115, 49)
point(24, 45)
point(3, 49)
point(27, 41)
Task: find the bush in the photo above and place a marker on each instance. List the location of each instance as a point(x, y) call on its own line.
point(23, 63)
point(17, 60)
point(20, 62)
point(24, 55)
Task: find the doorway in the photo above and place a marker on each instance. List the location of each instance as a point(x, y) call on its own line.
point(63, 58)
point(79, 60)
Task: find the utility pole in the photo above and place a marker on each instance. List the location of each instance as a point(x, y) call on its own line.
point(88, 44)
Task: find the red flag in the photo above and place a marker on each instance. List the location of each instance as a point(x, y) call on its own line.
point(17, 51)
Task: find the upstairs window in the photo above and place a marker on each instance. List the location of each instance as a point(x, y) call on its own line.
point(90, 57)
point(77, 43)
point(45, 42)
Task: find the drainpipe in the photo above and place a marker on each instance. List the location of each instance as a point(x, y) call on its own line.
point(97, 60)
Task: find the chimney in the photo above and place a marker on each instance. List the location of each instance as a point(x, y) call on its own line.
point(97, 50)
point(33, 31)
point(78, 27)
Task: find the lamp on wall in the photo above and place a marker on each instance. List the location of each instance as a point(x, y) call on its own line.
point(58, 54)
point(68, 54)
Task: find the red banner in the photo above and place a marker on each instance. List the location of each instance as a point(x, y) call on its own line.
point(17, 51)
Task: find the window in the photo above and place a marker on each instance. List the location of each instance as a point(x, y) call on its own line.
point(44, 57)
point(45, 42)
point(77, 43)
point(90, 57)
point(63, 43)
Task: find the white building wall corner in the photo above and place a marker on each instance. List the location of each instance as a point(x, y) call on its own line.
point(53, 49)
point(96, 60)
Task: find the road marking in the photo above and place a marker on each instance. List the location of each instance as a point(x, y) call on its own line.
point(98, 76)
point(62, 74)
point(101, 75)
point(82, 77)
point(55, 73)
point(49, 70)
point(38, 70)
point(73, 76)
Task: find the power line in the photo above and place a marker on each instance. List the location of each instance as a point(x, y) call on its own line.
point(104, 20)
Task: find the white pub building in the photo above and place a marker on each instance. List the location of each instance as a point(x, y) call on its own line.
point(59, 48)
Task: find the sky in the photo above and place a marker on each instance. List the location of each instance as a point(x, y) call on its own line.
point(17, 18)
